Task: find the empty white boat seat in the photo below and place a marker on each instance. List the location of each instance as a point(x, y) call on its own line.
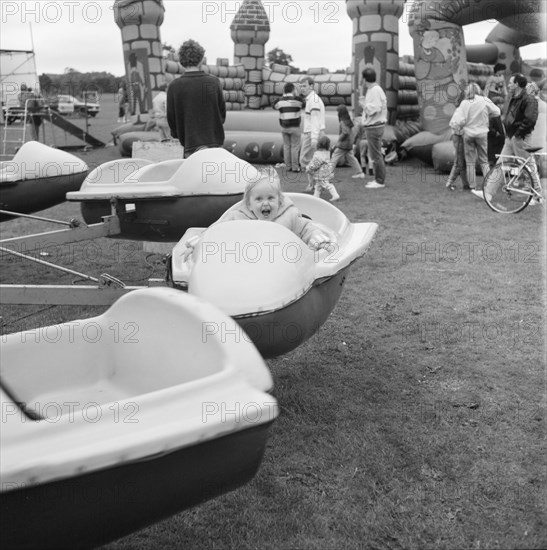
point(149, 340)
point(34, 160)
point(206, 172)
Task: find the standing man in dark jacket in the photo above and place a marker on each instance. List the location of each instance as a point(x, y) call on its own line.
point(196, 109)
point(521, 117)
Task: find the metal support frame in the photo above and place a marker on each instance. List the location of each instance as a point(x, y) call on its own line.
point(67, 295)
point(107, 289)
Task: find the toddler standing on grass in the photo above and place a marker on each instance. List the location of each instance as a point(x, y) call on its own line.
point(322, 169)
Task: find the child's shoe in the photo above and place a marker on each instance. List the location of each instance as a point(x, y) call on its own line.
point(334, 194)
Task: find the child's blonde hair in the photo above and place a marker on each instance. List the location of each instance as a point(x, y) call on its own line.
point(471, 90)
point(268, 175)
point(323, 143)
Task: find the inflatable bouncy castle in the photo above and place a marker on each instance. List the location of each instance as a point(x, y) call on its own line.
point(421, 90)
point(440, 56)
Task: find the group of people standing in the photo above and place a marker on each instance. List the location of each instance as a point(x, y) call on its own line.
point(307, 148)
point(193, 110)
point(196, 111)
point(510, 111)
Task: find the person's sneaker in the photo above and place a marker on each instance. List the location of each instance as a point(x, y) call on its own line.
point(477, 193)
point(535, 201)
point(374, 185)
point(391, 158)
point(280, 165)
point(335, 197)
point(309, 189)
point(359, 176)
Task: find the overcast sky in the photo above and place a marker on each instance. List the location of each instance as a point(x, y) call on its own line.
point(82, 34)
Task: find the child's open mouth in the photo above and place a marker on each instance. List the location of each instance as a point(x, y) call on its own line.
point(265, 211)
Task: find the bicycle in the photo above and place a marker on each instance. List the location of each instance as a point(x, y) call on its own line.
point(509, 186)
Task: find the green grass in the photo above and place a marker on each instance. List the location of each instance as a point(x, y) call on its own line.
point(415, 417)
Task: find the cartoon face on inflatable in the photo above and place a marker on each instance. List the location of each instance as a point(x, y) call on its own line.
point(430, 39)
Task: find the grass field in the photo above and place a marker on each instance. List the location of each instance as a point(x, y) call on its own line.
point(415, 418)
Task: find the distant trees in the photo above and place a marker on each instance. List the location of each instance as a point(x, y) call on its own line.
point(75, 83)
point(277, 55)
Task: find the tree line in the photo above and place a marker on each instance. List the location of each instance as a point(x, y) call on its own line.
point(75, 83)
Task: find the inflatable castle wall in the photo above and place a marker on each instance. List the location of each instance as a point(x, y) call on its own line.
point(249, 83)
point(421, 90)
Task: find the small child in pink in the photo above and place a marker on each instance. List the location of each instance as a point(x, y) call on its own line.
point(322, 170)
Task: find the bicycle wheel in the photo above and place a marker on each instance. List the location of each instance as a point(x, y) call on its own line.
point(504, 191)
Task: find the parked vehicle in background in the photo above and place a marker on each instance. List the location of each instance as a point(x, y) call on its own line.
point(67, 105)
point(12, 111)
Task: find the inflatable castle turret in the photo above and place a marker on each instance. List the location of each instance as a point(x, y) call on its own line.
point(140, 21)
point(376, 45)
point(250, 30)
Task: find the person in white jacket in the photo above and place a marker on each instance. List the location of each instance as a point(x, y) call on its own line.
point(472, 118)
point(313, 124)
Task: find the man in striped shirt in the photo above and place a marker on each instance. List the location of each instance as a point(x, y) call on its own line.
point(314, 124)
point(290, 107)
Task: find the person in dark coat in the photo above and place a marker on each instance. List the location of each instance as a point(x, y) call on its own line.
point(196, 109)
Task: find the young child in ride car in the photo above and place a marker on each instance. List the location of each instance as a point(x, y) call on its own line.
point(264, 200)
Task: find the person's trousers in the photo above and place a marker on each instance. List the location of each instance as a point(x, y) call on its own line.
point(291, 146)
point(458, 168)
point(476, 146)
point(306, 153)
point(374, 135)
point(346, 156)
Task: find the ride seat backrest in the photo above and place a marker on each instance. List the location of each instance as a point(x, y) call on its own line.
point(320, 211)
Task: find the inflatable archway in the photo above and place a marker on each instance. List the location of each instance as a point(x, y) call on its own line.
point(440, 54)
point(441, 57)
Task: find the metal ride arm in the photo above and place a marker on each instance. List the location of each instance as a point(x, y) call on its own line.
point(108, 288)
